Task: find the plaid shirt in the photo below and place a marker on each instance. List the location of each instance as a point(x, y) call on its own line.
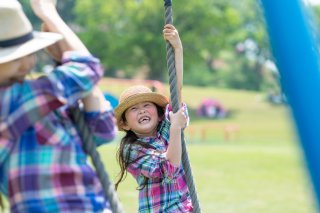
point(166, 190)
point(43, 167)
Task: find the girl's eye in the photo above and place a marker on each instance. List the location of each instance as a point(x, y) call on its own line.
point(133, 108)
point(147, 105)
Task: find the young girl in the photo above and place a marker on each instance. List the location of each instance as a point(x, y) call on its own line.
point(151, 148)
point(43, 167)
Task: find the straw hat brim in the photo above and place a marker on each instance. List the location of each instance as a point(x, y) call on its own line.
point(39, 41)
point(156, 98)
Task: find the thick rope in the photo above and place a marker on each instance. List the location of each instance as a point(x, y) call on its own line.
point(175, 107)
point(90, 148)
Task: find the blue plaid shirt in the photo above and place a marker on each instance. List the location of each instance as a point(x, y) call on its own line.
point(43, 167)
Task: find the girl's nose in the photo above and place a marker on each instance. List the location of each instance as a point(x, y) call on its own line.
point(142, 111)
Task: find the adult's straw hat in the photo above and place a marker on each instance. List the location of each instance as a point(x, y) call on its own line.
point(134, 95)
point(17, 38)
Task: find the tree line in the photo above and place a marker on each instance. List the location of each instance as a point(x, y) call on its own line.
point(225, 41)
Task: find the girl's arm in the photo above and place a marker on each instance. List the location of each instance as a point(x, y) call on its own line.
point(149, 163)
point(171, 34)
point(174, 151)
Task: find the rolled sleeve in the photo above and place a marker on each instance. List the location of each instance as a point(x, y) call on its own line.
point(75, 78)
point(164, 129)
point(169, 109)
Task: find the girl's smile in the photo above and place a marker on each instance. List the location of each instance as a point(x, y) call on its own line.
point(144, 119)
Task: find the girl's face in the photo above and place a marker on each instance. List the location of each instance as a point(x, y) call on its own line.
point(142, 119)
point(16, 71)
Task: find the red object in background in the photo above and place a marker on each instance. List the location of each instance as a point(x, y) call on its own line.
point(211, 108)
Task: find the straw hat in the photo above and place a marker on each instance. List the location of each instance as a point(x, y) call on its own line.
point(134, 95)
point(17, 38)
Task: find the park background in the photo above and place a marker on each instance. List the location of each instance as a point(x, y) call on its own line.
point(251, 160)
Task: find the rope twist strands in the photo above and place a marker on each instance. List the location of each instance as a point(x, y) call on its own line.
point(90, 148)
point(175, 107)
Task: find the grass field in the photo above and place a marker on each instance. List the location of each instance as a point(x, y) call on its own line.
point(237, 179)
point(258, 168)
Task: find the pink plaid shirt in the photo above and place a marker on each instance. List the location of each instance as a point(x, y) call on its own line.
point(166, 190)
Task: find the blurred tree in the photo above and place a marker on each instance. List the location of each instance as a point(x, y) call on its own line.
point(252, 48)
point(65, 8)
point(129, 32)
point(127, 36)
point(314, 17)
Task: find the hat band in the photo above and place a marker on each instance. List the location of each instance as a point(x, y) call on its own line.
point(16, 41)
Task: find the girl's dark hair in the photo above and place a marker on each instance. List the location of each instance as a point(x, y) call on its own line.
point(1, 202)
point(131, 139)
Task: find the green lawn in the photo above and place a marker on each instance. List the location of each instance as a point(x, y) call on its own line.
point(237, 178)
point(259, 168)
